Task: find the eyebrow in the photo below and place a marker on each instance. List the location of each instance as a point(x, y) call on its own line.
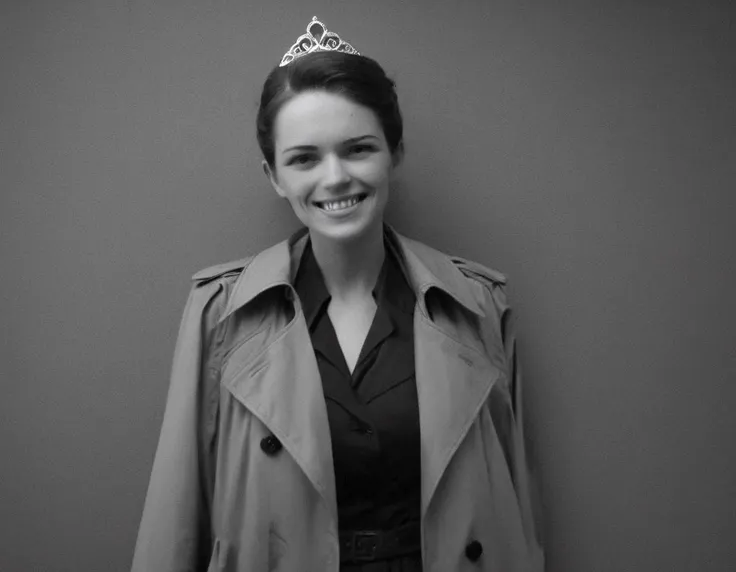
point(313, 147)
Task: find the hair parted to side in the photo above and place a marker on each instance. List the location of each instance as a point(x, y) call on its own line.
point(356, 77)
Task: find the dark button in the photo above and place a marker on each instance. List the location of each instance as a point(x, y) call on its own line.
point(474, 550)
point(360, 427)
point(270, 445)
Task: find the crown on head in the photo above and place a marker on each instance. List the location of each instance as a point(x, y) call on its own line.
point(317, 39)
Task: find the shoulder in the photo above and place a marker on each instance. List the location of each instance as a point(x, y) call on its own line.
point(486, 284)
point(469, 268)
point(210, 290)
point(224, 270)
point(490, 281)
point(479, 272)
point(208, 295)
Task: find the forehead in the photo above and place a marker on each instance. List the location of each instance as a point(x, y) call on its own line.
point(321, 118)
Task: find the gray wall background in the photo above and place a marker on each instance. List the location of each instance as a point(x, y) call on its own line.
point(586, 149)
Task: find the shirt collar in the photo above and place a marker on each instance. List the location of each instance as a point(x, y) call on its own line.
point(391, 285)
point(423, 266)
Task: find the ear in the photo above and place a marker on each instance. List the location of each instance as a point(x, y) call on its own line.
point(272, 178)
point(398, 155)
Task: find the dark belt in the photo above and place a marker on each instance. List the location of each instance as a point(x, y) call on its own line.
point(370, 545)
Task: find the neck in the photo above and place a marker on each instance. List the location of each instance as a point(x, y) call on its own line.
point(350, 269)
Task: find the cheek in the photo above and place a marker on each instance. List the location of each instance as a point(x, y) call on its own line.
point(377, 173)
point(295, 184)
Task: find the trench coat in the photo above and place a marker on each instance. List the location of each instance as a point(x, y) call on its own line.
point(245, 376)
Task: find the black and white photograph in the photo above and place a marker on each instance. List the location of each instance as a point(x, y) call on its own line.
point(386, 286)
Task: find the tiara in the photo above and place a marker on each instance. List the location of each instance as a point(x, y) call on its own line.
point(317, 39)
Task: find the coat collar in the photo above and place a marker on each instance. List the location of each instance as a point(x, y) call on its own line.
point(424, 267)
point(282, 387)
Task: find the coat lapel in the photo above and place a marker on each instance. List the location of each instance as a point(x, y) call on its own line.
point(454, 377)
point(453, 382)
point(282, 385)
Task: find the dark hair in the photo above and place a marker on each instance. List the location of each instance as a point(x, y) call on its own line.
point(358, 78)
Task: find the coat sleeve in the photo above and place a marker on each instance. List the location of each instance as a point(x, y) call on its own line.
point(174, 533)
point(499, 332)
point(521, 465)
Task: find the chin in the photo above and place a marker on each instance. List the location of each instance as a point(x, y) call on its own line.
point(344, 232)
point(347, 231)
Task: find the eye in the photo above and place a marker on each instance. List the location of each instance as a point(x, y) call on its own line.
point(361, 149)
point(301, 160)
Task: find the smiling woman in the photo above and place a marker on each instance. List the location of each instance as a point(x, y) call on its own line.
point(330, 130)
point(348, 399)
point(328, 153)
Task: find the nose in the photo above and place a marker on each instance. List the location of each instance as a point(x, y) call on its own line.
point(335, 172)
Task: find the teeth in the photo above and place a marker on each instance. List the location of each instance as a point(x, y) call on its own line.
point(338, 205)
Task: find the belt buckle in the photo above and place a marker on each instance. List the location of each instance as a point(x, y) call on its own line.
point(365, 544)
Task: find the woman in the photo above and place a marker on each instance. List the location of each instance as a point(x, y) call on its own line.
point(347, 399)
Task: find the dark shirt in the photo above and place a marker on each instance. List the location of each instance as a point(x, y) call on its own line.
point(373, 414)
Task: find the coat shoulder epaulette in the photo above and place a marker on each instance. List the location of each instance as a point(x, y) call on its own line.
point(477, 270)
point(218, 270)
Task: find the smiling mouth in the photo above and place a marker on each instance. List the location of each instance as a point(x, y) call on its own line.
point(342, 203)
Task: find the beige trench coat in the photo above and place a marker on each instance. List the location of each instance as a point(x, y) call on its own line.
point(244, 369)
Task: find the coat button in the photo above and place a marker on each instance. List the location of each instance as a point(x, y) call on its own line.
point(474, 550)
point(270, 445)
